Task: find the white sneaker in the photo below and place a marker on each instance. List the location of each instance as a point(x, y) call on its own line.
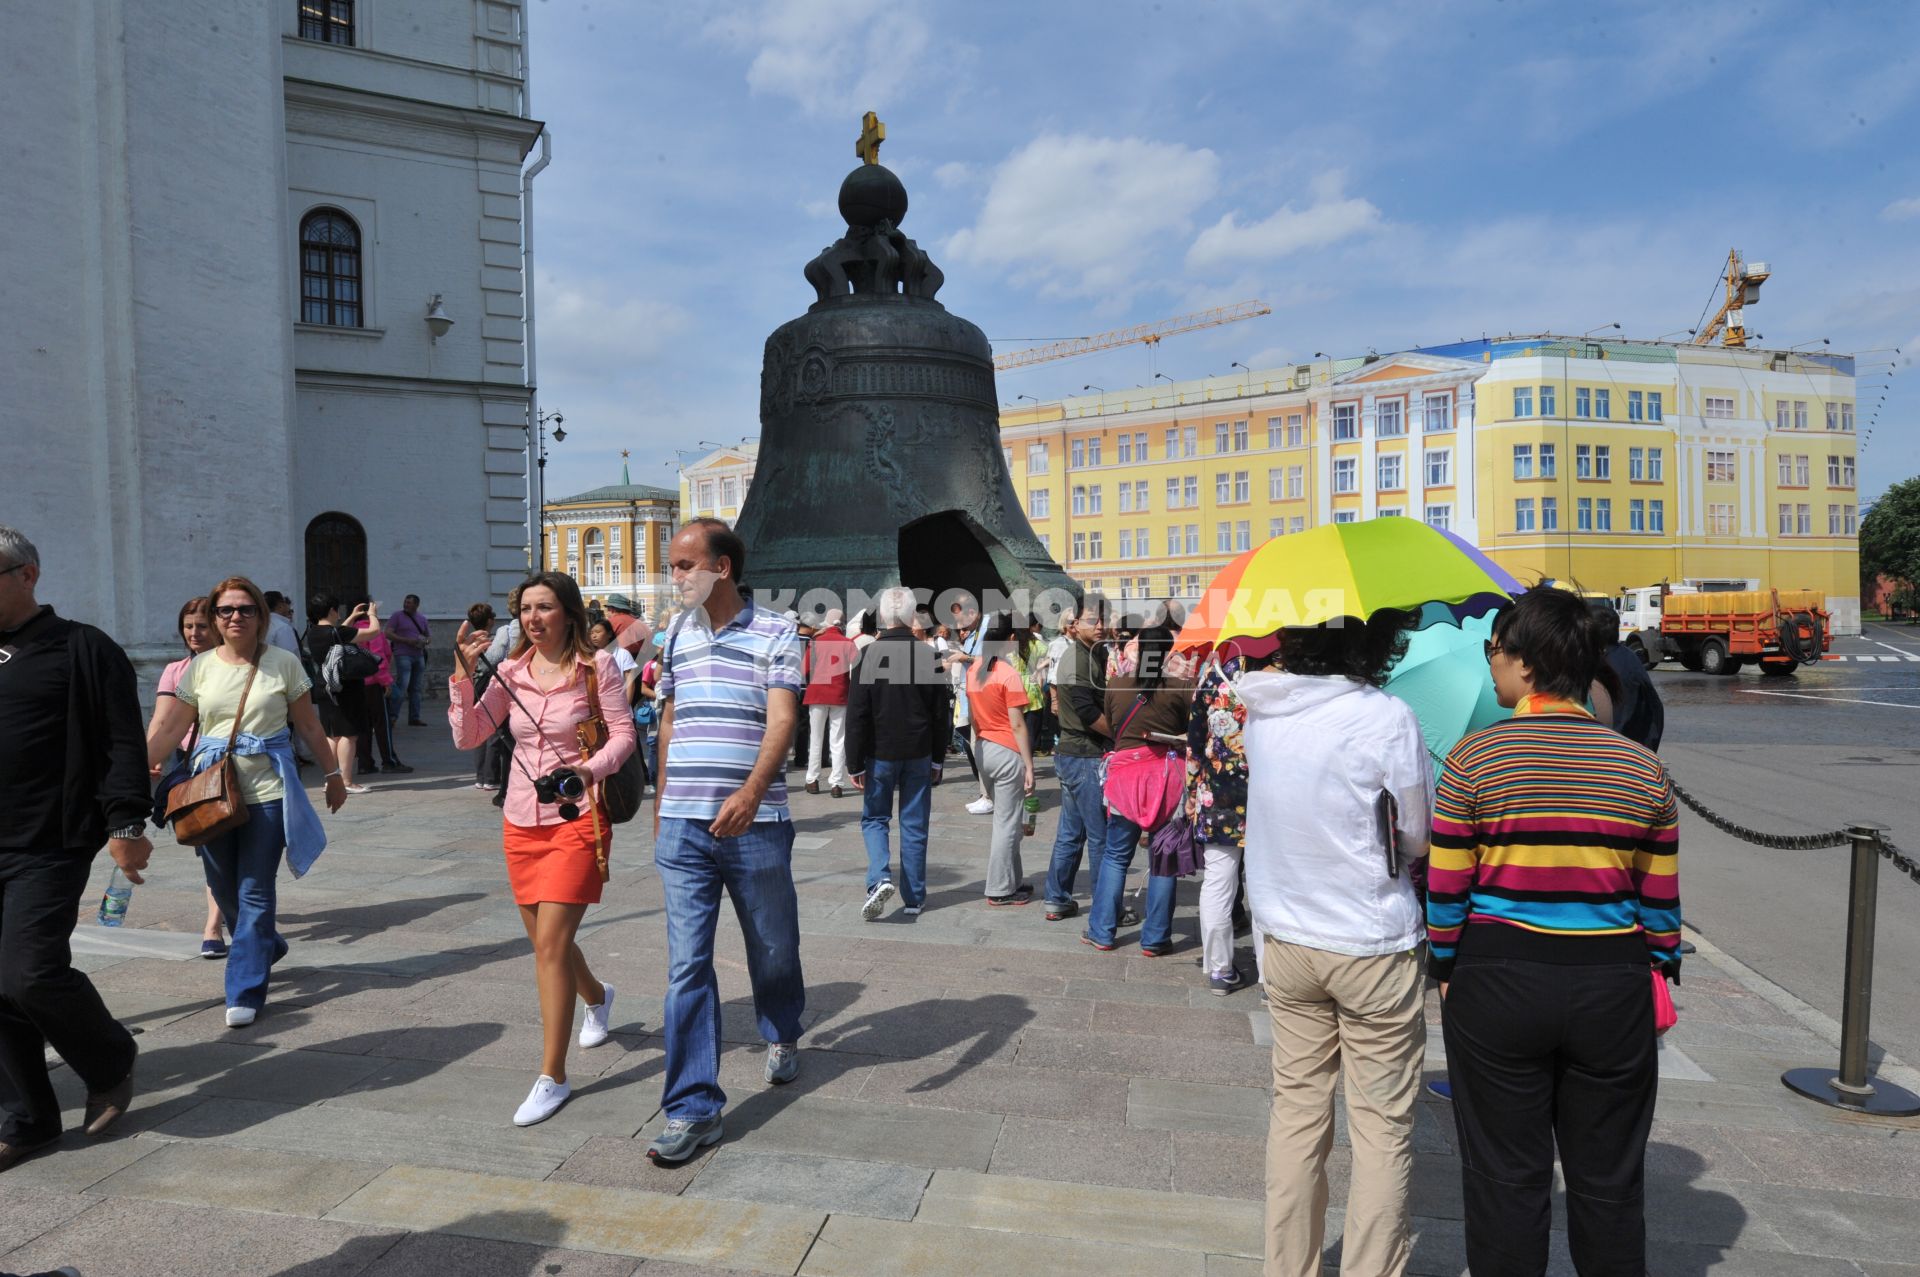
point(981, 806)
point(877, 900)
point(358, 788)
point(542, 1102)
point(240, 1017)
point(911, 911)
point(594, 1031)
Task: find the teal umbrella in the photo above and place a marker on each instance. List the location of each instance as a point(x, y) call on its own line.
point(1445, 678)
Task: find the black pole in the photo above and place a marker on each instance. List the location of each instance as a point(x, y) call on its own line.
point(1851, 1090)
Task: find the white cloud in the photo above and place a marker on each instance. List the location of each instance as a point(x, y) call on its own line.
point(585, 335)
point(1902, 210)
point(830, 56)
point(1077, 215)
point(955, 174)
point(1330, 218)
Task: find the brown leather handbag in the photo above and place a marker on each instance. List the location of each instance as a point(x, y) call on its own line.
point(203, 807)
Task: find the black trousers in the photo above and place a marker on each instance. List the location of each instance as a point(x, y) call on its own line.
point(379, 729)
point(43, 1000)
point(1541, 1056)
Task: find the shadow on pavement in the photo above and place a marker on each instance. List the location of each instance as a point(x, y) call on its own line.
point(354, 922)
point(463, 1246)
point(1711, 1222)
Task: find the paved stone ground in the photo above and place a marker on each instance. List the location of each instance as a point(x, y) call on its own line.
point(979, 1094)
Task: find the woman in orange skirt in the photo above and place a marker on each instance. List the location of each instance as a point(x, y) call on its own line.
point(557, 835)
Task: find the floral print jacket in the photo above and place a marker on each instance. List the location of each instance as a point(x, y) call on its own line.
point(1216, 757)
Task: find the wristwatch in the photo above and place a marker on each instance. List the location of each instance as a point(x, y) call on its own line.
point(129, 831)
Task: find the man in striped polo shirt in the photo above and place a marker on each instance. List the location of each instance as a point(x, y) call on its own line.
point(729, 697)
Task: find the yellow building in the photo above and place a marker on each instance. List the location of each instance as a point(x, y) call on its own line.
point(613, 540)
point(715, 486)
point(1610, 464)
point(1616, 464)
point(1147, 493)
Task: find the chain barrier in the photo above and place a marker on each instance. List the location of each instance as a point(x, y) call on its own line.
point(1779, 842)
point(1898, 859)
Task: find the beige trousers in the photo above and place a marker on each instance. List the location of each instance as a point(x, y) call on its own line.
point(1334, 1015)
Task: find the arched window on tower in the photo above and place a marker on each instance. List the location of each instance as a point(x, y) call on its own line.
point(328, 21)
point(596, 558)
point(330, 269)
point(337, 556)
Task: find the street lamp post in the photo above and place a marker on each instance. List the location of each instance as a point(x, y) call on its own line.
point(537, 457)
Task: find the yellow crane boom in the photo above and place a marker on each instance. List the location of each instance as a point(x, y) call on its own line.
point(1139, 334)
point(1729, 323)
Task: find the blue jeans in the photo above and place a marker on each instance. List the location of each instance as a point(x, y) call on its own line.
point(912, 779)
point(1110, 884)
point(1083, 821)
point(242, 869)
point(409, 666)
point(756, 869)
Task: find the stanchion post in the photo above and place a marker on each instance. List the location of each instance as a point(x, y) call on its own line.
point(1851, 1090)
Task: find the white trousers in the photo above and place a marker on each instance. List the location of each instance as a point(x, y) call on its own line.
point(1217, 888)
point(827, 729)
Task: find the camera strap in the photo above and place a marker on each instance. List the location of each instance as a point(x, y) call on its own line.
point(507, 687)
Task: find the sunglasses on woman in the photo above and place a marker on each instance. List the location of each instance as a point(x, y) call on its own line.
point(243, 610)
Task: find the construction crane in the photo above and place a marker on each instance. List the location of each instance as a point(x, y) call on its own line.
point(1743, 289)
point(1139, 334)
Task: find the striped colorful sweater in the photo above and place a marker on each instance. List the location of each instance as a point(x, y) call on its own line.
point(1558, 836)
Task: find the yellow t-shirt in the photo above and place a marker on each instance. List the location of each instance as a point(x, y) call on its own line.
point(212, 687)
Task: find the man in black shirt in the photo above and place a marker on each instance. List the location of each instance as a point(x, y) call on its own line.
point(1085, 737)
point(73, 775)
point(1638, 713)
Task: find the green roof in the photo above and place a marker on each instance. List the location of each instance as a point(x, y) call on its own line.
point(616, 492)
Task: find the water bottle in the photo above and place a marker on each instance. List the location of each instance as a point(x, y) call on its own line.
point(113, 905)
point(1031, 820)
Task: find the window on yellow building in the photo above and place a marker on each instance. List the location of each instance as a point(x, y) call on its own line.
point(1603, 515)
point(1223, 537)
point(729, 493)
point(1222, 488)
point(1036, 458)
point(1345, 474)
point(1603, 404)
point(1140, 495)
point(1296, 482)
point(1190, 490)
point(1803, 519)
point(1220, 431)
point(1548, 406)
point(1079, 502)
point(1193, 538)
point(1173, 541)
point(1523, 461)
point(1079, 547)
point(1582, 401)
point(1242, 535)
point(1716, 406)
point(1439, 412)
point(1439, 516)
point(1240, 440)
point(1296, 430)
point(1346, 516)
point(1636, 515)
point(1549, 514)
point(1173, 492)
point(1799, 414)
point(1276, 528)
point(1040, 503)
point(1126, 498)
point(1276, 433)
point(1523, 514)
point(1390, 512)
point(1636, 406)
point(1387, 472)
point(1242, 486)
point(1346, 421)
point(1123, 450)
point(1654, 410)
point(1439, 467)
point(1093, 545)
point(1583, 461)
point(1656, 515)
point(1276, 483)
point(1786, 520)
point(1390, 417)
point(1846, 416)
point(1833, 520)
point(1093, 500)
point(1546, 461)
point(1719, 519)
point(1802, 472)
point(1296, 523)
point(1522, 402)
point(1006, 453)
point(1126, 543)
point(1077, 454)
point(1656, 465)
point(1636, 464)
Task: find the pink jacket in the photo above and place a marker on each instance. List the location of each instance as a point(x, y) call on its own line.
point(545, 741)
point(378, 645)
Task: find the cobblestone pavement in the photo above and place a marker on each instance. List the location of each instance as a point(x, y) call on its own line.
point(979, 1092)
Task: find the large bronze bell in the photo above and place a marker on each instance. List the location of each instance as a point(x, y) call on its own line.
point(880, 460)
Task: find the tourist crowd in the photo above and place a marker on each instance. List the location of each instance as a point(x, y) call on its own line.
point(1530, 873)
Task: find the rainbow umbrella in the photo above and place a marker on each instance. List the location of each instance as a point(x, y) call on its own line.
point(1342, 569)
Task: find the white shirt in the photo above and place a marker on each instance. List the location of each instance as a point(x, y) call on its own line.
point(1056, 652)
point(280, 633)
point(623, 659)
point(1319, 752)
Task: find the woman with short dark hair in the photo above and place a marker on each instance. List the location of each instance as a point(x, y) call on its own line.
point(1336, 816)
point(1553, 907)
point(343, 713)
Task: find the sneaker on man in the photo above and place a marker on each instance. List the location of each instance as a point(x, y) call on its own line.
point(1058, 909)
point(981, 806)
point(593, 1030)
point(542, 1102)
point(1226, 982)
point(877, 900)
point(911, 911)
point(783, 1063)
point(683, 1138)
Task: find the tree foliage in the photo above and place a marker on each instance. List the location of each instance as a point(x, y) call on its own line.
point(1890, 535)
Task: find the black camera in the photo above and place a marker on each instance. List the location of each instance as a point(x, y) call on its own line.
point(564, 786)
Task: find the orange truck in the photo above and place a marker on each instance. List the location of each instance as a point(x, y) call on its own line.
point(1718, 631)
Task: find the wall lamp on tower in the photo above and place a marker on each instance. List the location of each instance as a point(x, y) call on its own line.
point(1018, 398)
point(1091, 386)
point(1600, 328)
point(1243, 368)
point(438, 320)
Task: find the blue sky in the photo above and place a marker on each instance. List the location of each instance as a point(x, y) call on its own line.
point(1383, 174)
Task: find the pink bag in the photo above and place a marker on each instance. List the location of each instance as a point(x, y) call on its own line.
point(1664, 1016)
